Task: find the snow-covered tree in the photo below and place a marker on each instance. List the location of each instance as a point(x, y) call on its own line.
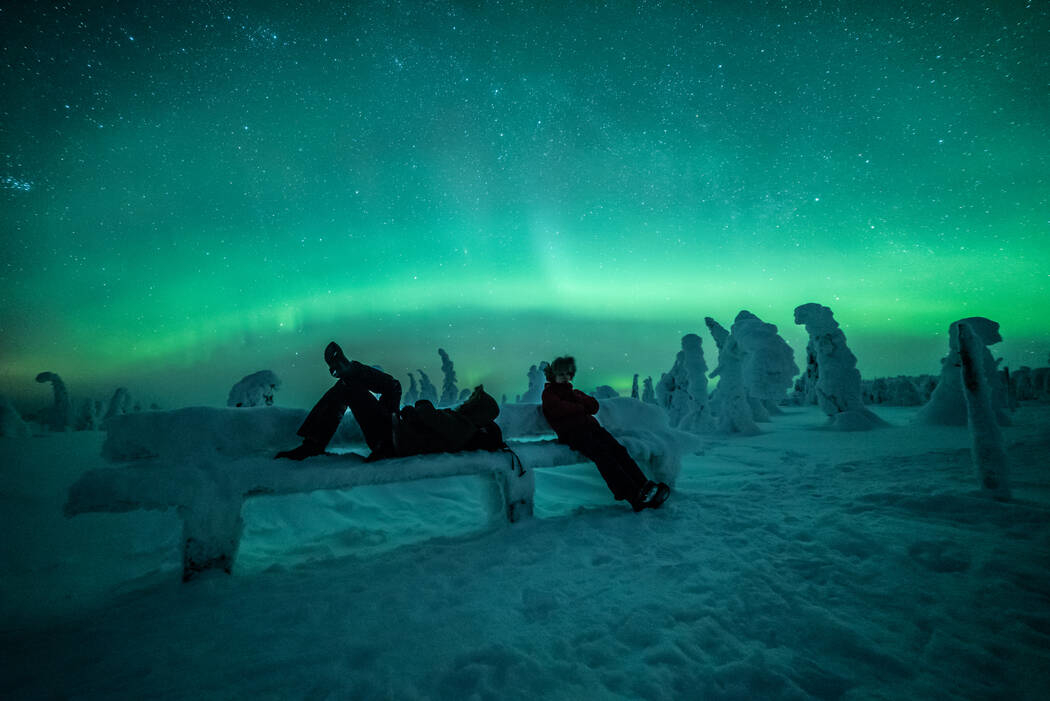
point(427, 390)
point(946, 406)
point(648, 393)
point(119, 403)
point(838, 380)
point(729, 405)
point(537, 378)
point(604, 392)
point(58, 417)
point(449, 391)
point(89, 416)
point(987, 449)
point(11, 423)
point(257, 389)
point(769, 363)
point(682, 391)
point(413, 391)
point(634, 387)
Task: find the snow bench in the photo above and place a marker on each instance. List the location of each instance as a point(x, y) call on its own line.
point(204, 462)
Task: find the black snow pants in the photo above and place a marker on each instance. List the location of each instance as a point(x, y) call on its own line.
point(323, 420)
point(618, 468)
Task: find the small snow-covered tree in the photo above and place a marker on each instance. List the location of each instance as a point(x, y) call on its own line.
point(256, 389)
point(987, 449)
point(11, 423)
point(682, 391)
point(413, 392)
point(838, 380)
point(537, 378)
point(449, 391)
point(634, 387)
point(89, 416)
point(465, 394)
point(58, 417)
point(119, 403)
point(604, 392)
point(427, 390)
point(648, 393)
point(946, 406)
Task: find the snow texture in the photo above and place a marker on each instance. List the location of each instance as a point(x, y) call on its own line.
point(604, 392)
point(449, 391)
point(838, 380)
point(57, 417)
point(11, 423)
point(797, 564)
point(682, 391)
point(987, 449)
point(947, 406)
point(257, 389)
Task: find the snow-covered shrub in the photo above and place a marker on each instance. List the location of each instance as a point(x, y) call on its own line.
point(58, 417)
point(987, 449)
point(838, 380)
point(604, 392)
point(946, 406)
point(257, 389)
point(11, 423)
point(648, 393)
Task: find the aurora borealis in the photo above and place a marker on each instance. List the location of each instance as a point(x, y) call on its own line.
point(195, 191)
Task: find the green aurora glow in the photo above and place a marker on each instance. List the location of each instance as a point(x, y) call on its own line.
point(192, 194)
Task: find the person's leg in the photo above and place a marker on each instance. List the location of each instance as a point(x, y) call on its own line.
point(323, 420)
point(592, 444)
point(631, 472)
point(376, 423)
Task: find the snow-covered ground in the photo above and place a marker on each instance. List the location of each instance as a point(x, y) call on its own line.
point(801, 563)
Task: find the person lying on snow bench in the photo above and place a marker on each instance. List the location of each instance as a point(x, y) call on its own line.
point(389, 432)
point(570, 413)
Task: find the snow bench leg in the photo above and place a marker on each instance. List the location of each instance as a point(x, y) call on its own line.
point(511, 494)
point(211, 537)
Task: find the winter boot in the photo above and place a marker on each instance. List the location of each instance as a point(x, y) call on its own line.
point(641, 499)
point(306, 450)
point(656, 500)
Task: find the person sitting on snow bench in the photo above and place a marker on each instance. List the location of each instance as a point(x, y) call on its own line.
point(389, 432)
point(570, 413)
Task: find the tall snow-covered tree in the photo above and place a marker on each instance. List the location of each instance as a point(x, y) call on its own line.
point(59, 415)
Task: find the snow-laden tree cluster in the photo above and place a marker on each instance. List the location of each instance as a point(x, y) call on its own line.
point(682, 391)
point(987, 448)
point(57, 417)
point(256, 389)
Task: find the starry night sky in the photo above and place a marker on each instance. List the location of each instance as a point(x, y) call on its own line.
point(195, 191)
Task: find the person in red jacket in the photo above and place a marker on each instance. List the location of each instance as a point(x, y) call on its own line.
point(570, 413)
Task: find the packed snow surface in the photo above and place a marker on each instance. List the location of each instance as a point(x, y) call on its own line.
point(798, 564)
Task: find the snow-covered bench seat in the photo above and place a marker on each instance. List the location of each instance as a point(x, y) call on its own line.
point(204, 462)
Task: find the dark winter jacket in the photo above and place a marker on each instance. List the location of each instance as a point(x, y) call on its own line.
point(569, 411)
point(470, 426)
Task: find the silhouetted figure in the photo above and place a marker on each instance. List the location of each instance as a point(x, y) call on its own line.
point(388, 431)
point(570, 413)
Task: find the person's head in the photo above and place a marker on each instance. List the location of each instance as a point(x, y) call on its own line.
point(562, 370)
